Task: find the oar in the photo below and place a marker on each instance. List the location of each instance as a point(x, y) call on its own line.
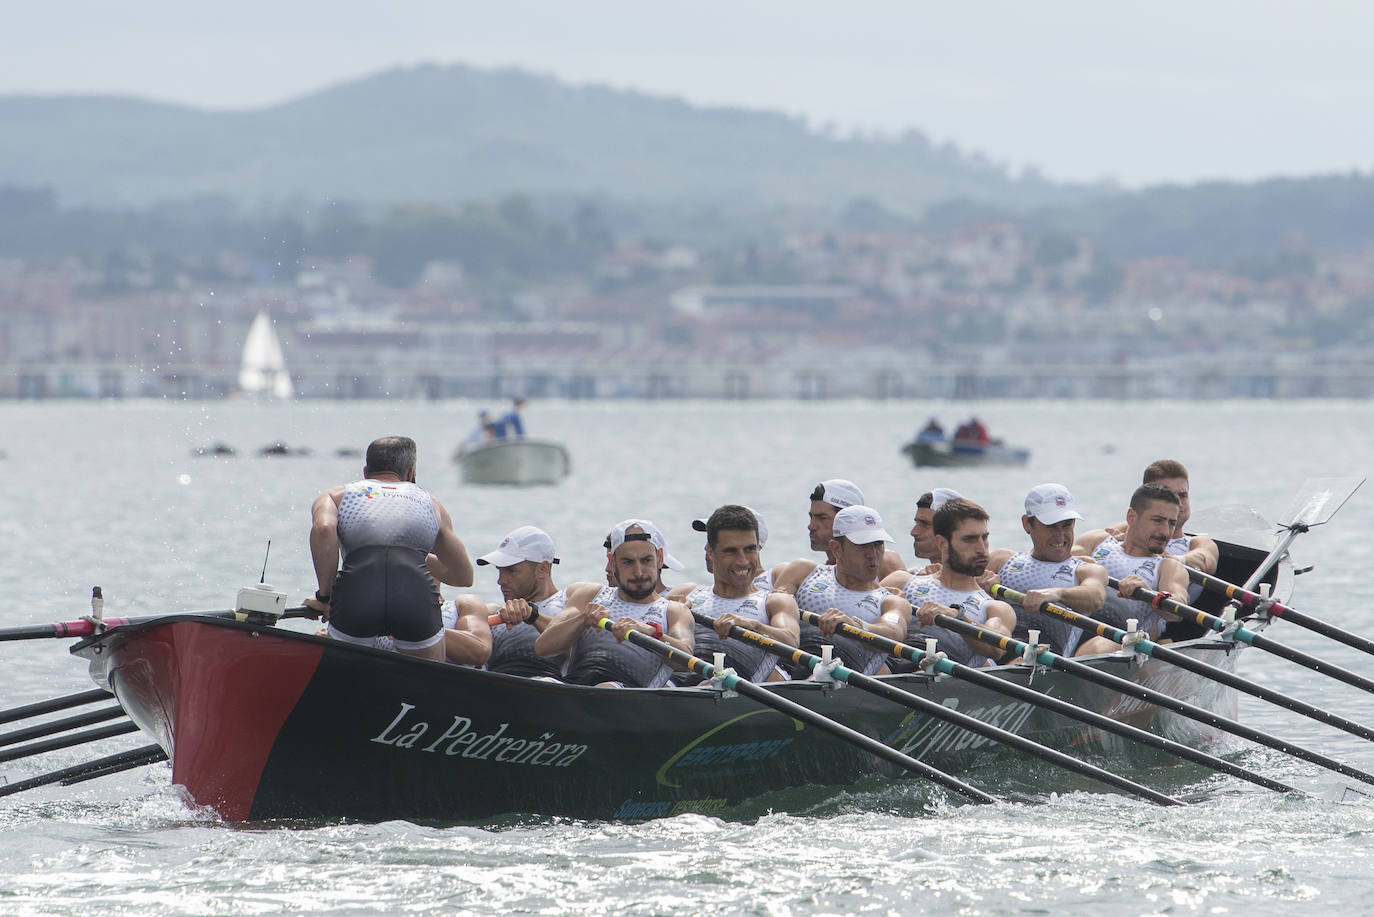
point(1274, 609)
point(810, 717)
point(85, 628)
point(1235, 630)
point(62, 725)
point(941, 712)
point(67, 741)
point(1316, 502)
point(120, 761)
point(1038, 699)
point(1174, 657)
point(1149, 695)
point(57, 703)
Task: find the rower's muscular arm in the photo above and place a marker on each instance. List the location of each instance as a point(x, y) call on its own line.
point(1201, 555)
point(449, 561)
point(1173, 579)
point(893, 621)
point(681, 628)
point(324, 539)
point(1084, 598)
point(469, 643)
point(560, 635)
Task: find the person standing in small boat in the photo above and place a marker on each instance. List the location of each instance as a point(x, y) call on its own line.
point(524, 563)
point(395, 540)
point(1049, 572)
point(1137, 559)
point(827, 499)
point(847, 592)
point(961, 529)
point(598, 657)
point(734, 537)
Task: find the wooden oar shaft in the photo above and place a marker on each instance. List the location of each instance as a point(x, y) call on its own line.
point(120, 761)
point(1245, 635)
point(1063, 708)
point(941, 712)
point(805, 715)
point(1164, 654)
point(65, 702)
point(1149, 695)
point(67, 741)
point(1279, 610)
point(62, 725)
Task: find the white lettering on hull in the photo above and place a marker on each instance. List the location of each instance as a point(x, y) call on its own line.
point(463, 741)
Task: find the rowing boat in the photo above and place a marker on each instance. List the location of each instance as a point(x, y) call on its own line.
point(265, 723)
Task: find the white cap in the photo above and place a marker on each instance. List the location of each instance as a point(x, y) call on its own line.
point(525, 543)
point(700, 526)
point(839, 493)
point(860, 524)
point(655, 538)
point(942, 495)
point(1051, 504)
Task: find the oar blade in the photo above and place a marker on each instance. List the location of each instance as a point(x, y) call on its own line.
point(1319, 498)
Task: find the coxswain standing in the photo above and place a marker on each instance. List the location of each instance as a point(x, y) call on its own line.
point(395, 540)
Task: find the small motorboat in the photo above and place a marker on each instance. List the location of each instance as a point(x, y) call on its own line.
point(956, 452)
point(518, 461)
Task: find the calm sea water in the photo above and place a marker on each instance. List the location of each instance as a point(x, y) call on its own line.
point(110, 494)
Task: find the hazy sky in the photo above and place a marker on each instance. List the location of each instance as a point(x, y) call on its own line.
point(1144, 92)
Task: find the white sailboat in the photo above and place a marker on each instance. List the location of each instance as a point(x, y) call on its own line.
point(263, 369)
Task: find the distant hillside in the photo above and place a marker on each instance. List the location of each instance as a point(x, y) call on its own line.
point(444, 134)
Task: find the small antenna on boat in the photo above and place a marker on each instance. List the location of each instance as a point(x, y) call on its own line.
point(263, 578)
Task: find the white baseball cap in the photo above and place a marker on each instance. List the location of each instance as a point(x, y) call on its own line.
point(655, 538)
point(700, 526)
point(860, 524)
point(839, 493)
point(1051, 504)
point(525, 543)
point(942, 495)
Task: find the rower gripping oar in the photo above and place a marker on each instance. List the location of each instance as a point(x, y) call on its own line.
point(1234, 630)
point(1273, 609)
point(941, 712)
point(1000, 686)
point(1154, 650)
point(732, 682)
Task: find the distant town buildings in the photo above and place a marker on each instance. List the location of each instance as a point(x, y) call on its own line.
point(982, 311)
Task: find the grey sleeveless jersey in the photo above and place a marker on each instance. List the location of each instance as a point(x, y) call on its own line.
point(512, 648)
point(750, 662)
point(820, 592)
point(1111, 555)
point(973, 606)
point(1023, 573)
point(597, 656)
point(1178, 547)
point(399, 515)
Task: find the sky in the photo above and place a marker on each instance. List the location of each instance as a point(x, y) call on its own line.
point(1082, 90)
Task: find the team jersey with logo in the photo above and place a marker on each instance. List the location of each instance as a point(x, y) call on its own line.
point(749, 662)
point(820, 592)
point(1178, 547)
point(399, 515)
point(1111, 555)
point(1023, 573)
point(512, 648)
point(597, 656)
point(973, 607)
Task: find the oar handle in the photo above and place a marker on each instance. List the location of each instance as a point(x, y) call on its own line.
point(804, 714)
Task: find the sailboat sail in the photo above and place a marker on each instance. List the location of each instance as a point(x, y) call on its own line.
point(263, 370)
